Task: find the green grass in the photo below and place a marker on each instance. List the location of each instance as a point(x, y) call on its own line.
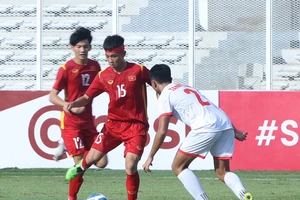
point(49, 184)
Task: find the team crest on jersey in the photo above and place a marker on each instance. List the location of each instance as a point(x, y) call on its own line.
point(110, 82)
point(132, 78)
point(74, 71)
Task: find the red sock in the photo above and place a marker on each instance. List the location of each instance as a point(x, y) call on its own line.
point(132, 185)
point(74, 187)
point(84, 165)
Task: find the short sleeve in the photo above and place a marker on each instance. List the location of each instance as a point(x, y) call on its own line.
point(98, 66)
point(61, 79)
point(164, 106)
point(146, 74)
point(96, 88)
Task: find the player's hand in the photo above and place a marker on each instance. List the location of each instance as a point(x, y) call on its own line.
point(240, 135)
point(78, 110)
point(67, 107)
point(147, 164)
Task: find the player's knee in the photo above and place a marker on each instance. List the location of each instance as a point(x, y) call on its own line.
point(102, 162)
point(177, 169)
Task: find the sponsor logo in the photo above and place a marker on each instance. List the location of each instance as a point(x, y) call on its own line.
point(74, 71)
point(110, 82)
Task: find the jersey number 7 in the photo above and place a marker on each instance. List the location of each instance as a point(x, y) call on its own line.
point(203, 103)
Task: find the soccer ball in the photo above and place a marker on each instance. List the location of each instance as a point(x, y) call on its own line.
point(97, 196)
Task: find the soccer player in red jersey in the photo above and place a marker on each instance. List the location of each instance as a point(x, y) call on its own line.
point(74, 77)
point(127, 122)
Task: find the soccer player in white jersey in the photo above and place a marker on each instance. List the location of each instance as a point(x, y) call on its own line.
point(211, 131)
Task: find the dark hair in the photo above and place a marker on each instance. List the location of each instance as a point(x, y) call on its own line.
point(80, 34)
point(112, 42)
point(161, 73)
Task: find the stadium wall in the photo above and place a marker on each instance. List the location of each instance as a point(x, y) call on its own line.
point(30, 130)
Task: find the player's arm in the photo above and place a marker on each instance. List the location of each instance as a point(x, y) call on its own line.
point(159, 138)
point(78, 103)
point(93, 91)
point(55, 99)
point(239, 135)
point(146, 75)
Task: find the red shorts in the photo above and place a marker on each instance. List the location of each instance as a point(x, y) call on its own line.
point(113, 133)
point(77, 141)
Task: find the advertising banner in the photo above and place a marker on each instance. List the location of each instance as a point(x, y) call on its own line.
point(271, 119)
point(30, 131)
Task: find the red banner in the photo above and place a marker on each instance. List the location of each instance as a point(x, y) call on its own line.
point(271, 119)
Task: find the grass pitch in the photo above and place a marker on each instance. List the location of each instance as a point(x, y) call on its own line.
point(49, 184)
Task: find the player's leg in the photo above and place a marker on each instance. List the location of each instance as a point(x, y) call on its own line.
point(222, 151)
point(132, 175)
point(187, 177)
point(90, 136)
point(134, 148)
point(101, 146)
point(76, 152)
point(60, 150)
point(196, 144)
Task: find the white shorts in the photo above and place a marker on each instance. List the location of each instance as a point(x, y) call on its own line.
point(220, 144)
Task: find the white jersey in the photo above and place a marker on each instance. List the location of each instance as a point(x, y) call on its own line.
point(192, 108)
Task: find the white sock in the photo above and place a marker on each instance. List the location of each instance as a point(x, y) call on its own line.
point(61, 141)
point(235, 184)
point(192, 184)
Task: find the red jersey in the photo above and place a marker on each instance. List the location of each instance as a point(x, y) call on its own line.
point(126, 90)
point(75, 79)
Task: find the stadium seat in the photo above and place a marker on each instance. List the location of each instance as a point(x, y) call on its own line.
point(98, 42)
point(81, 8)
point(294, 85)
point(20, 42)
point(291, 56)
point(51, 40)
point(140, 57)
point(5, 56)
point(10, 25)
point(11, 71)
point(107, 10)
point(56, 9)
point(280, 85)
point(289, 71)
point(94, 54)
point(32, 24)
point(25, 85)
point(171, 56)
point(134, 40)
point(26, 56)
point(26, 9)
point(157, 41)
point(92, 25)
point(184, 41)
point(56, 57)
point(63, 24)
point(6, 8)
point(2, 86)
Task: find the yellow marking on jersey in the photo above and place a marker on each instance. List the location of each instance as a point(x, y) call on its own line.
point(144, 95)
point(110, 82)
point(64, 66)
point(99, 73)
point(62, 118)
point(142, 67)
point(74, 71)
